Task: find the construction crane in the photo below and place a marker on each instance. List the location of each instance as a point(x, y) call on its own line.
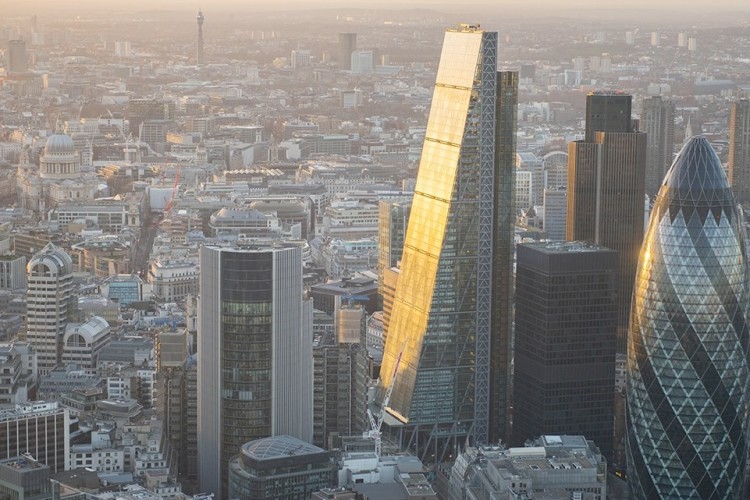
point(376, 423)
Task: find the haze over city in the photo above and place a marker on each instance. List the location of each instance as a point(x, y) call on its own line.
point(344, 250)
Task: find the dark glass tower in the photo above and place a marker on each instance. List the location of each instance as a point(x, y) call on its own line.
point(347, 45)
point(566, 325)
point(607, 112)
point(657, 121)
point(688, 343)
point(450, 321)
point(739, 150)
point(606, 190)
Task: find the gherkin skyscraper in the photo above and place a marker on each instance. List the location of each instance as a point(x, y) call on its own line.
point(688, 343)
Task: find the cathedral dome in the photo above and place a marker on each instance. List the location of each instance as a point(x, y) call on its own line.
point(59, 143)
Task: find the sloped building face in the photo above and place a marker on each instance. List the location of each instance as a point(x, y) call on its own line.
point(440, 335)
point(688, 343)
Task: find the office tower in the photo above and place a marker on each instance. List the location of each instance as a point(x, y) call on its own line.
point(450, 321)
point(347, 45)
point(529, 162)
point(39, 428)
point(300, 59)
point(200, 59)
point(688, 345)
point(362, 62)
point(566, 328)
point(555, 169)
point(393, 217)
point(739, 150)
point(682, 39)
point(607, 112)
point(655, 38)
point(12, 272)
point(340, 377)
point(657, 121)
point(49, 302)
point(16, 57)
point(606, 190)
point(140, 110)
point(123, 48)
point(555, 210)
point(254, 354)
point(692, 44)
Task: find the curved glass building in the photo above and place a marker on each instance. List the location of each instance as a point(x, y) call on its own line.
point(688, 342)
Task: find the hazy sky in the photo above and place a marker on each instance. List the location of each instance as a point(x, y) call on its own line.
point(8, 6)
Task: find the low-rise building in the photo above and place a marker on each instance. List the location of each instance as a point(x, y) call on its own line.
point(280, 467)
point(40, 428)
point(552, 467)
point(82, 342)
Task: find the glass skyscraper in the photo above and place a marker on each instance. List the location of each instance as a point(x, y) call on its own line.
point(254, 354)
point(606, 175)
point(450, 321)
point(688, 342)
point(739, 150)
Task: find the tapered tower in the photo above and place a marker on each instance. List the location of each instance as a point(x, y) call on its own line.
point(201, 60)
point(448, 334)
point(688, 342)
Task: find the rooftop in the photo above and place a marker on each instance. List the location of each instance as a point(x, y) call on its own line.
point(279, 447)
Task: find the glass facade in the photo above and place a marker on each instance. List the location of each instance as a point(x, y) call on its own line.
point(442, 316)
point(565, 337)
point(606, 186)
point(688, 343)
point(254, 354)
point(739, 150)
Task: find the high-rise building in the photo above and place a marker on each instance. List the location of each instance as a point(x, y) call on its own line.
point(340, 377)
point(564, 351)
point(16, 57)
point(347, 45)
point(555, 209)
point(300, 58)
point(607, 112)
point(450, 321)
point(254, 354)
point(657, 121)
point(49, 303)
point(199, 58)
point(606, 178)
point(739, 150)
point(688, 345)
point(362, 62)
point(140, 110)
point(12, 272)
point(393, 218)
